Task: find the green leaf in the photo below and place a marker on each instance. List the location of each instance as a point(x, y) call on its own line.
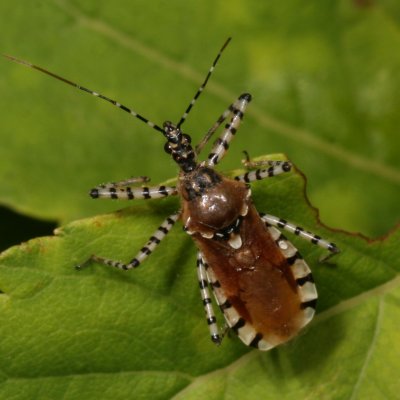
point(324, 77)
point(325, 82)
point(110, 334)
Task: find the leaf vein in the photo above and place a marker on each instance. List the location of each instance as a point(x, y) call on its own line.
point(303, 136)
point(369, 354)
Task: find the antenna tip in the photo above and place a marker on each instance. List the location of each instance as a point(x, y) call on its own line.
point(7, 56)
point(11, 58)
point(226, 43)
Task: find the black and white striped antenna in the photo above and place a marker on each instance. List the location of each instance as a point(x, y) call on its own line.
point(93, 93)
point(201, 88)
point(116, 103)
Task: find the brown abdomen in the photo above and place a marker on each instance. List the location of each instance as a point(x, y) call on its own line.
point(264, 288)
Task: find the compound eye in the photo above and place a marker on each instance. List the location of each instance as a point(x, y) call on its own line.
point(167, 148)
point(186, 138)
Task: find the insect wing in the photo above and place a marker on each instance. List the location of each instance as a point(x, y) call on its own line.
point(264, 288)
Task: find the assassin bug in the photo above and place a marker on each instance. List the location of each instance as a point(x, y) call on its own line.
point(262, 285)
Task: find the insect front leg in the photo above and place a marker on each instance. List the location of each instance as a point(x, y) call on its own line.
point(144, 252)
point(216, 337)
point(221, 145)
point(299, 231)
point(122, 190)
point(212, 130)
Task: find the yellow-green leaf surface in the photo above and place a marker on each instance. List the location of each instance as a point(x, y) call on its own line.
point(109, 334)
point(325, 85)
point(323, 75)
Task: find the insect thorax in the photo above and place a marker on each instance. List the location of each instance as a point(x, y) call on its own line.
point(211, 202)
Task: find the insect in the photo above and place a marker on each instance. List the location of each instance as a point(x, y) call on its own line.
point(262, 285)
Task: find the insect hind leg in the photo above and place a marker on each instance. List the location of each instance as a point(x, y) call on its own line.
point(144, 252)
point(299, 231)
point(215, 334)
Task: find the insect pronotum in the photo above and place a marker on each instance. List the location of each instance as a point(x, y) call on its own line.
point(263, 287)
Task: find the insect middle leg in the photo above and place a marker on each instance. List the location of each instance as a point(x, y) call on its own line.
point(122, 190)
point(144, 252)
point(299, 231)
point(275, 168)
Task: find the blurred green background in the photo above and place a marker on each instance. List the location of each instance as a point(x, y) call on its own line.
point(324, 76)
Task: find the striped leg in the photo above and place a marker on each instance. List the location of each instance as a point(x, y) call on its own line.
point(122, 190)
point(145, 251)
point(207, 302)
point(297, 230)
point(213, 129)
point(221, 145)
point(276, 168)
